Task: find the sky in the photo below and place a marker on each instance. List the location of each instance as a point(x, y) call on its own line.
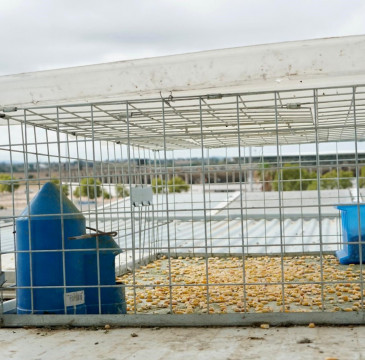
point(49, 34)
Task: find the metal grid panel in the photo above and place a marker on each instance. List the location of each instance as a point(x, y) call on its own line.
point(238, 206)
point(179, 118)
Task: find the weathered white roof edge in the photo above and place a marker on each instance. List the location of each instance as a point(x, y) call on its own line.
point(282, 66)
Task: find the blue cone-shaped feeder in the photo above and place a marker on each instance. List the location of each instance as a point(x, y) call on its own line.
point(42, 266)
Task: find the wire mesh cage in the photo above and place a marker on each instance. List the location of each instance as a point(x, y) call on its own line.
point(222, 206)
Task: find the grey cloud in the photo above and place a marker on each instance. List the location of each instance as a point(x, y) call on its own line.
point(38, 35)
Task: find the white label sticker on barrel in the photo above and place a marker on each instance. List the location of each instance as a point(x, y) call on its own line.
point(75, 298)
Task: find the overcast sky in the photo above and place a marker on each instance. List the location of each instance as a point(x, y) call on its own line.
point(48, 34)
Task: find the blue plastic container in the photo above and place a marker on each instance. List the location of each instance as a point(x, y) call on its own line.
point(46, 266)
point(350, 253)
point(112, 298)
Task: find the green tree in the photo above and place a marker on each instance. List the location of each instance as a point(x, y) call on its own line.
point(312, 185)
point(6, 184)
point(331, 180)
point(158, 185)
point(89, 187)
point(177, 184)
point(76, 192)
point(106, 195)
point(293, 178)
point(362, 177)
point(64, 186)
point(122, 191)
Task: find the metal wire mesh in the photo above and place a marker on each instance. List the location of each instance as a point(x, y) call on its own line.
point(242, 218)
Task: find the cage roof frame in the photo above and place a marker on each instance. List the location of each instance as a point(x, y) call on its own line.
point(302, 90)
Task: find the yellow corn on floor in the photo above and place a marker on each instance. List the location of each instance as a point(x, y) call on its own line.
point(271, 284)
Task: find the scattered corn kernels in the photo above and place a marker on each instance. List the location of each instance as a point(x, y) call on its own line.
point(258, 294)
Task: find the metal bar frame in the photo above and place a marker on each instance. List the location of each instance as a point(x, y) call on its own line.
point(232, 121)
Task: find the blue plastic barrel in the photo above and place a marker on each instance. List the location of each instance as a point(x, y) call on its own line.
point(352, 233)
point(42, 234)
point(42, 268)
point(112, 298)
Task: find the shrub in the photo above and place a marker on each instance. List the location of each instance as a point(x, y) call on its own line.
point(312, 185)
point(362, 177)
point(76, 192)
point(158, 185)
point(7, 185)
point(330, 180)
point(122, 191)
point(177, 184)
point(64, 186)
point(89, 187)
point(106, 195)
point(293, 178)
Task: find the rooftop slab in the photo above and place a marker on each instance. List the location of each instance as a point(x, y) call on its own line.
point(183, 343)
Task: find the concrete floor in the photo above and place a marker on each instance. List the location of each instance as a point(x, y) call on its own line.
point(184, 343)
